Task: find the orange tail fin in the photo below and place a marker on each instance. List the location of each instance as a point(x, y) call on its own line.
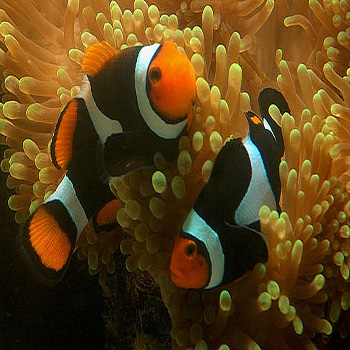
point(47, 241)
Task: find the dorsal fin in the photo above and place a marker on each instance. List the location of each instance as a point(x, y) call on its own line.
point(96, 56)
point(266, 98)
point(270, 96)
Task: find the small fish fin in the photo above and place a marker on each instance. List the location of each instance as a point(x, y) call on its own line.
point(266, 98)
point(129, 151)
point(245, 248)
point(106, 218)
point(95, 57)
point(46, 242)
point(62, 141)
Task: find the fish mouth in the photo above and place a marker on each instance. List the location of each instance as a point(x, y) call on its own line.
point(176, 276)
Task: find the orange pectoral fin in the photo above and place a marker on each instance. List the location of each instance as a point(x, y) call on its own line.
point(96, 56)
point(45, 244)
point(62, 141)
point(48, 240)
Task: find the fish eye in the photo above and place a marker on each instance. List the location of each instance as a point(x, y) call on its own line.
point(154, 75)
point(190, 250)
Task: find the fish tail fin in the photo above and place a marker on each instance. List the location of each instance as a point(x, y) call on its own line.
point(47, 240)
point(266, 98)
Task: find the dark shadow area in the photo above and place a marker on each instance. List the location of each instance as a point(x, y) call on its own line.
point(135, 319)
point(32, 316)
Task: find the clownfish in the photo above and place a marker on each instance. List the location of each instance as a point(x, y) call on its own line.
point(133, 103)
point(220, 240)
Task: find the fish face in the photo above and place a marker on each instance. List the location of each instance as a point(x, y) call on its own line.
point(172, 83)
point(189, 268)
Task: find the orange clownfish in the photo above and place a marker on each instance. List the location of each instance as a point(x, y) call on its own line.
point(220, 239)
point(133, 103)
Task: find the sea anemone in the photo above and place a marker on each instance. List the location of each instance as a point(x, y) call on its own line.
point(303, 287)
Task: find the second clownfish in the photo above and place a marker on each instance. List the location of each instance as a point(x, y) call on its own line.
point(133, 103)
point(220, 239)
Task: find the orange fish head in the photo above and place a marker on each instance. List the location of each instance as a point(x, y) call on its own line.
point(189, 268)
point(172, 83)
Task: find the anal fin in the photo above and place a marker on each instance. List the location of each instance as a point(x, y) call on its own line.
point(47, 240)
point(106, 218)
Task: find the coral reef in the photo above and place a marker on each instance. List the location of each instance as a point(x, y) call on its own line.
point(235, 52)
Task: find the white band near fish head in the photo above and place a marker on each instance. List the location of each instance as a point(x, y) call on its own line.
point(197, 227)
point(152, 119)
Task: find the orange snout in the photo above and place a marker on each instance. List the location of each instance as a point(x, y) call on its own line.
point(189, 269)
point(173, 82)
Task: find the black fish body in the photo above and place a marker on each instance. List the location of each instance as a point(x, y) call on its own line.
point(113, 126)
point(224, 220)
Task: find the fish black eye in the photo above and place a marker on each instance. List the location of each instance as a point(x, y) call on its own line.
point(154, 75)
point(190, 250)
